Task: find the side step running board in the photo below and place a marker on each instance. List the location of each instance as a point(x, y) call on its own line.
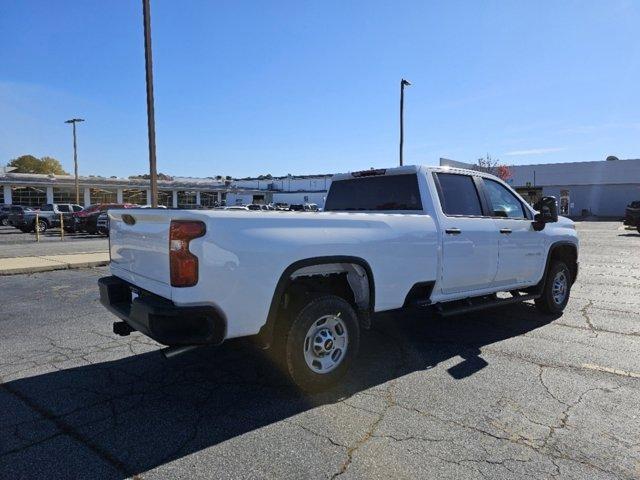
point(457, 307)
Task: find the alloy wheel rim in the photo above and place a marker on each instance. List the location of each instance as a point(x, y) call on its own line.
point(326, 344)
point(559, 287)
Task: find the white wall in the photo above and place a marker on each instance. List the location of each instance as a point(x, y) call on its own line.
point(239, 199)
point(578, 173)
point(287, 184)
point(299, 198)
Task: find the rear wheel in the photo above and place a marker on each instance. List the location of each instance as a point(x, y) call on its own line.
point(321, 343)
point(4, 222)
point(557, 287)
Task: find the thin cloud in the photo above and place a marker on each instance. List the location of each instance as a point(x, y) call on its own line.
point(601, 127)
point(535, 151)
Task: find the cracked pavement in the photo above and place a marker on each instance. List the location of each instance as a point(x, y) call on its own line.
point(505, 393)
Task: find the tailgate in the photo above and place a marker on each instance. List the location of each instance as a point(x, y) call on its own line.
point(140, 245)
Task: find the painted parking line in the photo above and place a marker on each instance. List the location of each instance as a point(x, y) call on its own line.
point(615, 371)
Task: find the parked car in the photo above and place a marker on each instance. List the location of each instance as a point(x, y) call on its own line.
point(47, 216)
point(632, 215)
point(87, 220)
point(102, 223)
point(5, 210)
point(408, 237)
point(235, 207)
point(16, 217)
point(254, 206)
point(304, 207)
point(281, 206)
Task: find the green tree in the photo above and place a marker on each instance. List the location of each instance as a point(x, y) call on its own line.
point(31, 164)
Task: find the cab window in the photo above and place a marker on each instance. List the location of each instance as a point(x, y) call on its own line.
point(502, 202)
point(458, 195)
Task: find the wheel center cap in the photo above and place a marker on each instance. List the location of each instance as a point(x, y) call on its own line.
point(324, 342)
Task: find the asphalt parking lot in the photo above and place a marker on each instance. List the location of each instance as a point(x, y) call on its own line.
point(505, 393)
point(14, 243)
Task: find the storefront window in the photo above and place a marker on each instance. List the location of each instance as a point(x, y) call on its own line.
point(186, 199)
point(103, 195)
point(209, 199)
point(65, 195)
point(134, 195)
point(165, 197)
point(29, 196)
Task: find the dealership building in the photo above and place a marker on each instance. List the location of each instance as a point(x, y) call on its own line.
point(37, 189)
point(601, 188)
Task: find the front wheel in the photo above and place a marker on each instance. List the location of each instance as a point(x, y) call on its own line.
point(321, 343)
point(4, 222)
point(557, 287)
point(41, 226)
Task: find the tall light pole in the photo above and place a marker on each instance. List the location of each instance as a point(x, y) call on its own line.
point(151, 121)
point(73, 122)
point(403, 83)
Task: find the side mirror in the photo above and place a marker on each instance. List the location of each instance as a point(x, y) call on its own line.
point(547, 212)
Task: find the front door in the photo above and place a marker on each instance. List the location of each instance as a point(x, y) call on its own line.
point(520, 247)
point(469, 243)
point(565, 204)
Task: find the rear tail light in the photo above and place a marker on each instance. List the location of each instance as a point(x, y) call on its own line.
point(183, 264)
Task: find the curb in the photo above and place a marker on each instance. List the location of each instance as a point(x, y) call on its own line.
point(44, 264)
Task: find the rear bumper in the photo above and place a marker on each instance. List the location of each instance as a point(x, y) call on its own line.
point(159, 318)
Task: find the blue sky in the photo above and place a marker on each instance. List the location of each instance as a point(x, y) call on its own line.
point(247, 88)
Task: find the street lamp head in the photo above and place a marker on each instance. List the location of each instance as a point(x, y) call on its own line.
point(74, 120)
point(405, 83)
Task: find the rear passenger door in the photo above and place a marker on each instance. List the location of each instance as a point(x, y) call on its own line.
point(521, 248)
point(469, 241)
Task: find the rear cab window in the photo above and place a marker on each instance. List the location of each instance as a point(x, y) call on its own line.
point(375, 193)
point(458, 195)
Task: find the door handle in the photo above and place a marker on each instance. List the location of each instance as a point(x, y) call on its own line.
point(505, 230)
point(453, 231)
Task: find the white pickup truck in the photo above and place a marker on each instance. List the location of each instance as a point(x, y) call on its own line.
point(304, 284)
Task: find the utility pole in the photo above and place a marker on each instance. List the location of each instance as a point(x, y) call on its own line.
point(403, 83)
point(151, 122)
point(73, 122)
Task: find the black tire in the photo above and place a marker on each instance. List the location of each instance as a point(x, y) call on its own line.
point(638, 228)
point(552, 301)
point(4, 222)
point(295, 339)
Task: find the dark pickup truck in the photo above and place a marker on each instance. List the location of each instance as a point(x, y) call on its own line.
point(632, 215)
point(47, 217)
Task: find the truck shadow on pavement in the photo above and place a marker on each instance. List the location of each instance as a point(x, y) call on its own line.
point(121, 418)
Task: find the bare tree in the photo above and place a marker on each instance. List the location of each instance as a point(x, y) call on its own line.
point(493, 166)
point(487, 164)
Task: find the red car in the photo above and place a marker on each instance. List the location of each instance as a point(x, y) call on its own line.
point(87, 219)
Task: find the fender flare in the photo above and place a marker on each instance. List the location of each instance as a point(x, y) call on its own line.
point(552, 247)
point(266, 332)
